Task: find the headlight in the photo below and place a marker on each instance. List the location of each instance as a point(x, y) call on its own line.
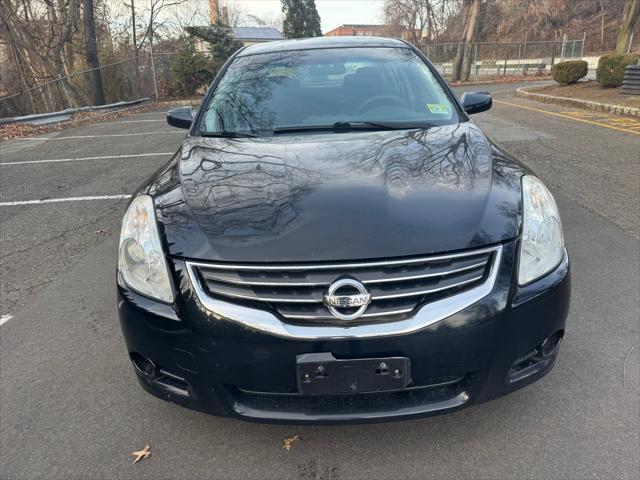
point(542, 244)
point(141, 261)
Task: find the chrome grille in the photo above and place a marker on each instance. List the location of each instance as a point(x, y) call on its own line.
point(295, 291)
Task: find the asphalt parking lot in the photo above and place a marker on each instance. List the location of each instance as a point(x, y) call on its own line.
point(69, 404)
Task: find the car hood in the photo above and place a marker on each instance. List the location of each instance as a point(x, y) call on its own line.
point(337, 196)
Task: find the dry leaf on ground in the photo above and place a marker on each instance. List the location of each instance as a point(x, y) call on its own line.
point(18, 130)
point(140, 454)
point(288, 442)
point(21, 130)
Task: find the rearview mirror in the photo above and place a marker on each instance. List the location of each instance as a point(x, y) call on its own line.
point(476, 102)
point(180, 117)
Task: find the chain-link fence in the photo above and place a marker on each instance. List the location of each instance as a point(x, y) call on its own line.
point(492, 59)
point(123, 80)
point(152, 75)
point(165, 76)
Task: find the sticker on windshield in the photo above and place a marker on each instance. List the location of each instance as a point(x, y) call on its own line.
point(438, 108)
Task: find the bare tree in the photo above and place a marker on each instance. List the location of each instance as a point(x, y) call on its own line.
point(469, 37)
point(178, 17)
point(422, 19)
point(457, 59)
point(442, 11)
point(154, 15)
point(273, 21)
point(175, 16)
point(462, 61)
point(42, 34)
point(234, 14)
point(416, 17)
point(134, 33)
point(91, 54)
point(629, 20)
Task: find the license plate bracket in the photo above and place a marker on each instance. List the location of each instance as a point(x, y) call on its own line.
point(323, 374)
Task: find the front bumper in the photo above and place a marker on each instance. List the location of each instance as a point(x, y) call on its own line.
point(204, 362)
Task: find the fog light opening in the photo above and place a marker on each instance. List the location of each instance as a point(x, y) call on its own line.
point(145, 366)
point(536, 360)
point(551, 344)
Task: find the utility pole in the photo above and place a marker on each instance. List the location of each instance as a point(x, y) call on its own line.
point(91, 54)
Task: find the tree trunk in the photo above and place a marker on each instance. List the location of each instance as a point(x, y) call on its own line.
point(465, 69)
point(629, 19)
point(469, 36)
point(134, 39)
point(601, 25)
point(456, 66)
point(91, 54)
point(430, 16)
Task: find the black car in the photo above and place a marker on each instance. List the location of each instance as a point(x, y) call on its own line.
point(335, 241)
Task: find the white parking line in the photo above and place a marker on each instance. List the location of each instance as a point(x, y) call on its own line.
point(182, 132)
point(5, 318)
point(81, 159)
point(66, 199)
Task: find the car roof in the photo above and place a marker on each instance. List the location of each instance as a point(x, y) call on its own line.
point(321, 42)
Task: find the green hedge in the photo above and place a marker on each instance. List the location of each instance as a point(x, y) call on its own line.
point(610, 72)
point(566, 73)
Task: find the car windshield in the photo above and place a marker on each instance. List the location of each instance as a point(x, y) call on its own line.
point(313, 88)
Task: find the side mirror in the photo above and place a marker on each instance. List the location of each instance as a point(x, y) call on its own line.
point(180, 117)
point(476, 102)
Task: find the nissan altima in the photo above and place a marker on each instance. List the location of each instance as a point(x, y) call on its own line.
point(335, 241)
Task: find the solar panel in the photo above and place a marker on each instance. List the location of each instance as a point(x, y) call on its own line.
point(256, 33)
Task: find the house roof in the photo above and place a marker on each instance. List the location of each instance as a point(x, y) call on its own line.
point(365, 25)
point(256, 33)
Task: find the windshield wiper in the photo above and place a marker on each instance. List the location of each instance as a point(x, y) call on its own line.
point(227, 134)
point(346, 126)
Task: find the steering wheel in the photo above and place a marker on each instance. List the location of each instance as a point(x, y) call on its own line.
point(380, 99)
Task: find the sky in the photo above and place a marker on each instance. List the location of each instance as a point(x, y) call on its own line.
point(333, 13)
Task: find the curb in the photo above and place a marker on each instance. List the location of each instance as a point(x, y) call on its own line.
point(574, 102)
point(498, 82)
